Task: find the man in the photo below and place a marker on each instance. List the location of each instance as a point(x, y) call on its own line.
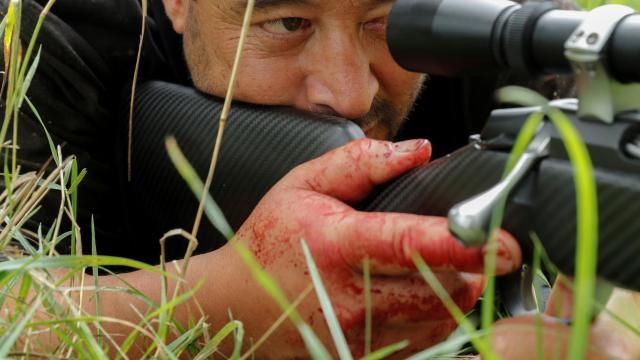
point(88, 48)
point(323, 56)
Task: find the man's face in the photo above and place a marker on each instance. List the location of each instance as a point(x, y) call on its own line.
point(326, 56)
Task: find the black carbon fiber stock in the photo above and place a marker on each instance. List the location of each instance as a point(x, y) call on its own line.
point(544, 203)
point(261, 144)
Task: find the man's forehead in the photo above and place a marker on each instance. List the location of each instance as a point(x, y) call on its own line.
point(263, 5)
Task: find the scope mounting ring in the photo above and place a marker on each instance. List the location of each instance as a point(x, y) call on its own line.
point(601, 97)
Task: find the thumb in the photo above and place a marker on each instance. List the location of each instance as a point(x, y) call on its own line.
point(350, 172)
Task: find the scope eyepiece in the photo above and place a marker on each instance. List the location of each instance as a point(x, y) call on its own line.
point(463, 37)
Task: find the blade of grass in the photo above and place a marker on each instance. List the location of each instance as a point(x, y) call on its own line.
point(34, 36)
point(76, 180)
point(587, 217)
point(83, 333)
point(366, 274)
point(3, 26)
point(73, 261)
point(387, 351)
point(445, 348)
point(66, 337)
point(73, 192)
point(9, 21)
point(29, 77)
point(212, 210)
point(11, 61)
point(134, 82)
point(212, 345)
point(63, 191)
point(33, 200)
point(518, 95)
point(535, 264)
point(10, 336)
point(96, 280)
point(315, 347)
point(224, 114)
point(524, 137)
point(3, 29)
point(162, 317)
point(18, 67)
point(15, 273)
point(8, 185)
point(25, 285)
point(12, 50)
point(544, 257)
point(169, 305)
point(587, 231)
point(481, 344)
point(70, 320)
point(327, 309)
point(186, 338)
point(182, 271)
point(277, 323)
point(24, 243)
point(238, 337)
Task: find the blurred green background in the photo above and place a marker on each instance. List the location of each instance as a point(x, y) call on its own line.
point(588, 4)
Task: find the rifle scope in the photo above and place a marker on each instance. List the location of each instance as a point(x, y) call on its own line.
point(464, 37)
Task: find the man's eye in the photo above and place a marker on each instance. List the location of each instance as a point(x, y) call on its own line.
point(378, 25)
point(286, 25)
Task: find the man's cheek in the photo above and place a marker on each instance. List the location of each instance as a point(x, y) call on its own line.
point(268, 81)
point(398, 84)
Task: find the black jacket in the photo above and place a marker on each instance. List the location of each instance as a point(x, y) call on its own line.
point(85, 72)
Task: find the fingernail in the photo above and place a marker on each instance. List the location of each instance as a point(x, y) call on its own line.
point(409, 146)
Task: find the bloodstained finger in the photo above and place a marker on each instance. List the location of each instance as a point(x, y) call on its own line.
point(389, 239)
point(349, 173)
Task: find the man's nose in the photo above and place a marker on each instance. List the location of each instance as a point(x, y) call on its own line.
point(339, 77)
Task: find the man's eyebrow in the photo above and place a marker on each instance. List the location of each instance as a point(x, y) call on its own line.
point(240, 6)
point(264, 4)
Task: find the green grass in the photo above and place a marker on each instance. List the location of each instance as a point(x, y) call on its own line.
point(590, 4)
point(48, 289)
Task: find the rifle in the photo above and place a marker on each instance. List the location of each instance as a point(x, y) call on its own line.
point(262, 143)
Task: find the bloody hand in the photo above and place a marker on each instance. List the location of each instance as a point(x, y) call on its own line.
point(313, 203)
